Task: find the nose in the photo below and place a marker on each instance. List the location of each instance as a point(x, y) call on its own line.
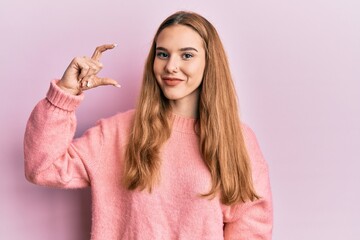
point(172, 66)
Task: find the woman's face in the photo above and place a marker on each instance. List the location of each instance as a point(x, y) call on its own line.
point(179, 63)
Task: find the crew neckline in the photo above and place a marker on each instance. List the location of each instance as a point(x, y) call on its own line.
point(183, 124)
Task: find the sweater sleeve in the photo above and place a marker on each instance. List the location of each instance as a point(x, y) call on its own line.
point(252, 220)
point(52, 157)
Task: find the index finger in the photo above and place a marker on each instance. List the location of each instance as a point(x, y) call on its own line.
point(100, 49)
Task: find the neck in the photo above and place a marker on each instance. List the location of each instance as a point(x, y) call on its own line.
point(187, 107)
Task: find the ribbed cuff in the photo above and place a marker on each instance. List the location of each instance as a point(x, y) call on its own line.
point(62, 99)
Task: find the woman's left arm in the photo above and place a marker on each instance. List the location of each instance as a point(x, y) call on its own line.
point(252, 220)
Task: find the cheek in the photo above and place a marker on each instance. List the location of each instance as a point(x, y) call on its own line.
point(196, 70)
point(156, 67)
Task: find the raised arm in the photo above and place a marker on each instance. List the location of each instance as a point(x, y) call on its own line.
point(52, 157)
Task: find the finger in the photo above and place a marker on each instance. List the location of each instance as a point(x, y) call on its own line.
point(96, 66)
point(92, 61)
point(93, 70)
point(97, 63)
point(88, 69)
point(87, 83)
point(84, 72)
point(95, 81)
point(108, 81)
point(100, 49)
point(83, 66)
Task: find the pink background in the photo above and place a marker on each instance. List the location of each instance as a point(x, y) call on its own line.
point(296, 69)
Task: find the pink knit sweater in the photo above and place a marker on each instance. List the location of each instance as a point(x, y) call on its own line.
point(174, 210)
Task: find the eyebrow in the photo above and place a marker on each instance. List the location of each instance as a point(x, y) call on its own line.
point(181, 49)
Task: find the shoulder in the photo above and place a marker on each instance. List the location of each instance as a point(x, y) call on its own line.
point(121, 117)
point(252, 146)
point(126, 117)
point(259, 167)
point(118, 123)
point(249, 135)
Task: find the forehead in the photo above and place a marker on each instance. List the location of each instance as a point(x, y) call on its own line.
point(179, 36)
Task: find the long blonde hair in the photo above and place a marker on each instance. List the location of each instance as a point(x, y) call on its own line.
point(221, 141)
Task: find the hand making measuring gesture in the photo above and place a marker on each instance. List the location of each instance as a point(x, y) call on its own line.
point(82, 72)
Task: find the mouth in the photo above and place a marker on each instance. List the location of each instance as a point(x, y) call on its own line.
point(170, 81)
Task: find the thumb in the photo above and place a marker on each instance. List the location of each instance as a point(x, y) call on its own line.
point(108, 81)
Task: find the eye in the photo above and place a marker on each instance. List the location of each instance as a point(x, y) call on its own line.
point(187, 56)
point(162, 55)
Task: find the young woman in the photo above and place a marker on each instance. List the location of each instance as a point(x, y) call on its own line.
point(179, 166)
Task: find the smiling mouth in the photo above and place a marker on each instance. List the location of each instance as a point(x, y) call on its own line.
point(171, 81)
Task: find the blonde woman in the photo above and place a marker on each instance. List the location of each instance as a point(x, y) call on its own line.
point(179, 166)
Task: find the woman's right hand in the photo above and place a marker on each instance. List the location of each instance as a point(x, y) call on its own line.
point(81, 74)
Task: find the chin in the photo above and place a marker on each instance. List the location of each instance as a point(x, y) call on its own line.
point(171, 97)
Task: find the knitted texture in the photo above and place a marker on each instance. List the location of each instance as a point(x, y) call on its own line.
point(173, 210)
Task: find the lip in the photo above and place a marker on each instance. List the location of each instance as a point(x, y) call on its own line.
point(170, 81)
